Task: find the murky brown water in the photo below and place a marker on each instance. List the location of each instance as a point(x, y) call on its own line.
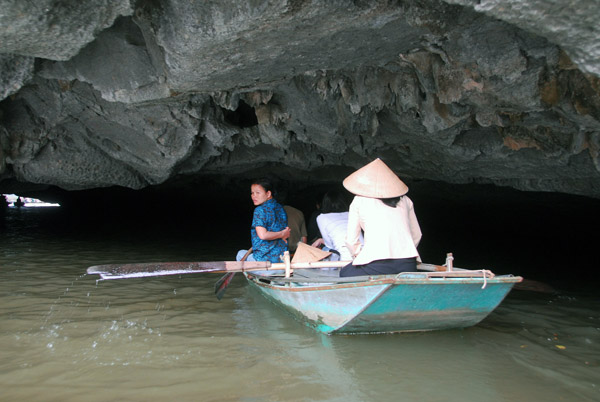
point(66, 337)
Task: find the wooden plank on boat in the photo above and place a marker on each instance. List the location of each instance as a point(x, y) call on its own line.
point(138, 270)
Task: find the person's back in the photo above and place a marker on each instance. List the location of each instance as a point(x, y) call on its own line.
point(389, 232)
point(333, 227)
point(297, 227)
point(270, 216)
point(333, 223)
point(382, 211)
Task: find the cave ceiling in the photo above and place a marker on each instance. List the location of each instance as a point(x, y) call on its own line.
point(137, 94)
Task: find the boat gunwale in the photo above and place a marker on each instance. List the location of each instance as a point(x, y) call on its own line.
point(362, 281)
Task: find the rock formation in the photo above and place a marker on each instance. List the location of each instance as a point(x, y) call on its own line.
point(137, 94)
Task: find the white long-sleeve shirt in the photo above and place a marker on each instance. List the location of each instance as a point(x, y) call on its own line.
point(333, 227)
point(388, 232)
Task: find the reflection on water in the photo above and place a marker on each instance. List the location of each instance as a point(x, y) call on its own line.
point(65, 336)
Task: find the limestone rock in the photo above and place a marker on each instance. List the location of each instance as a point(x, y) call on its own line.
point(55, 30)
point(15, 71)
point(117, 64)
point(136, 96)
point(573, 25)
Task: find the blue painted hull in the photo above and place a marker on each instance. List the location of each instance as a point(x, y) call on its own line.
point(384, 304)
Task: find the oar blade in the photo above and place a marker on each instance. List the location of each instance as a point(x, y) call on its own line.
point(140, 270)
point(222, 284)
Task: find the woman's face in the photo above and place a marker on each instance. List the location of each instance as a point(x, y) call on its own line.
point(258, 194)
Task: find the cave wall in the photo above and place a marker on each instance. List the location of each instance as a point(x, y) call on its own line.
point(139, 94)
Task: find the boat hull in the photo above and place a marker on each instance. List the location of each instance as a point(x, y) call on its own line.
point(410, 302)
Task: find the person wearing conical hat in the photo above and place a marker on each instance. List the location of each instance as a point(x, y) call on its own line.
point(382, 211)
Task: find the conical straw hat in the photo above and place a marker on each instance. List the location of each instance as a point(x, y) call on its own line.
point(375, 180)
point(306, 253)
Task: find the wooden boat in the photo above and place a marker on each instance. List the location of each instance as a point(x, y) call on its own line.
point(410, 301)
point(436, 297)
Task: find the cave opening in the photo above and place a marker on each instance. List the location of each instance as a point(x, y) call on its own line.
point(545, 237)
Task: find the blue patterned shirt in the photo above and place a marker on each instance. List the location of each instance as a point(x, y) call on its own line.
point(271, 216)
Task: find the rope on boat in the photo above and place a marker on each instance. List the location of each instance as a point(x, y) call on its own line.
point(484, 272)
point(467, 273)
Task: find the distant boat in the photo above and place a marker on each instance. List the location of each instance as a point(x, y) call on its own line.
point(15, 201)
point(410, 301)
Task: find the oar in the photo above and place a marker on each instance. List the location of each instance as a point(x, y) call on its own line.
point(139, 270)
point(223, 282)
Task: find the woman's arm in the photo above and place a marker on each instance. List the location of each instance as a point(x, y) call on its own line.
point(353, 231)
point(264, 234)
point(413, 223)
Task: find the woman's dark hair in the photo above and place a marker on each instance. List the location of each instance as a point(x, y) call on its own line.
point(267, 184)
point(334, 201)
point(391, 202)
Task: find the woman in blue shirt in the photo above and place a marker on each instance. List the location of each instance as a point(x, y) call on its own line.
point(269, 230)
